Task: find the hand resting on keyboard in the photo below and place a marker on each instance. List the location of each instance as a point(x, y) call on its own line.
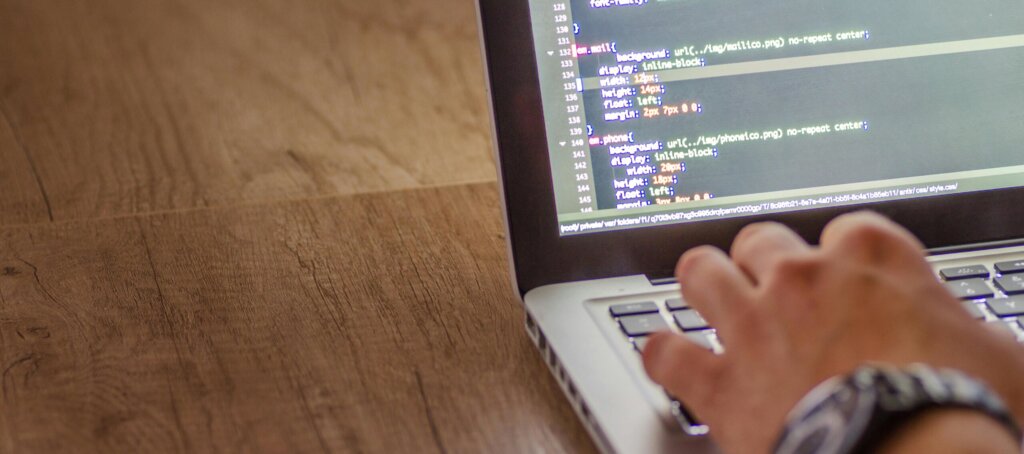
point(791, 316)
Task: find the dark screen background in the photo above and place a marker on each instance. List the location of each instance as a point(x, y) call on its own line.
point(926, 115)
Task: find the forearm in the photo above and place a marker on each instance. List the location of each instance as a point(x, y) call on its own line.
point(952, 431)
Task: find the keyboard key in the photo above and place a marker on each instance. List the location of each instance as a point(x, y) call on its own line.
point(1011, 285)
point(970, 289)
point(687, 420)
point(639, 343)
point(1018, 325)
point(974, 310)
point(965, 272)
point(642, 325)
point(676, 304)
point(701, 338)
point(621, 310)
point(1013, 267)
point(1007, 307)
point(690, 320)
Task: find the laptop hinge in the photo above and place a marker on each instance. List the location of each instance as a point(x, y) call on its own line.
point(975, 247)
point(661, 280)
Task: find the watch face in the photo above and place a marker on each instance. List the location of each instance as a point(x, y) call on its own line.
point(833, 425)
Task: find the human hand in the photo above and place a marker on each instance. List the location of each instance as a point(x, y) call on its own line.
point(791, 316)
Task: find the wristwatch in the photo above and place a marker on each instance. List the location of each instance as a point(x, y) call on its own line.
point(856, 413)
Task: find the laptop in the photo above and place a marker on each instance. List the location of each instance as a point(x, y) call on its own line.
point(628, 131)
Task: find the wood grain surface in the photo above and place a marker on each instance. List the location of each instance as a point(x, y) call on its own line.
point(221, 230)
point(369, 324)
point(129, 107)
point(21, 198)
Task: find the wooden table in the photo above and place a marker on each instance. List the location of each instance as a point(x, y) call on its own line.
point(257, 226)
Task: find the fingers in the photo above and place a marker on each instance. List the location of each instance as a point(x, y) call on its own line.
point(873, 239)
point(685, 369)
point(866, 223)
point(760, 246)
point(713, 285)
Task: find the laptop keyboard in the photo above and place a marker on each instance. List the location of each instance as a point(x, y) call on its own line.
point(639, 320)
point(994, 296)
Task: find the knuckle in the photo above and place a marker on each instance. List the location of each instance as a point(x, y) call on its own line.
point(860, 216)
point(796, 275)
point(694, 259)
point(868, 233)
point(749, 230)
point(752, 232)
point(797, 266)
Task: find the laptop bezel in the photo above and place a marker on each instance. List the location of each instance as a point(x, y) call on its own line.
point(541, 256)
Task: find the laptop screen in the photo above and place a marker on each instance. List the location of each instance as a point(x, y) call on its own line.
point(672, 111)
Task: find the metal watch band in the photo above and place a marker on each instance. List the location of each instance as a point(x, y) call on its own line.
point(857, 413)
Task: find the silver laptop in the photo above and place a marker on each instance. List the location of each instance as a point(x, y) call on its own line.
point(628, 131)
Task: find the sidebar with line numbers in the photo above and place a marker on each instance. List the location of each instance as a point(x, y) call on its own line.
point(562, 93)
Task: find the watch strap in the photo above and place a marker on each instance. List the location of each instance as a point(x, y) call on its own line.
point(857, 413)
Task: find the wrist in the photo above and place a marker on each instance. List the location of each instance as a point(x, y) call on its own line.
point(950, 430)
point(860, 412)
